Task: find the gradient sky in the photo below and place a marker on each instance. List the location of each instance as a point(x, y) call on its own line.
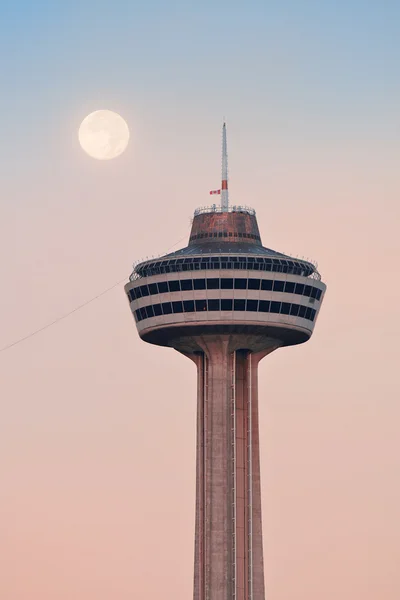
point(96, 440)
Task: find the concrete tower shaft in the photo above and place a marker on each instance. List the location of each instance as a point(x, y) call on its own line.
point(228, 538)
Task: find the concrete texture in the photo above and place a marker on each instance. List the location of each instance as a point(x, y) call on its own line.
point(228, 538)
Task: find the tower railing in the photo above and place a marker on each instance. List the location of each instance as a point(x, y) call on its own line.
point(216, 208)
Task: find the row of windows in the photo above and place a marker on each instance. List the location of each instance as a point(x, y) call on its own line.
point(275, 265)
point(265, 306)
point(224, 234)
point(185, 285)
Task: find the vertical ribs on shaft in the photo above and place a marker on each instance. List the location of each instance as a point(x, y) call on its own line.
point(228, 540)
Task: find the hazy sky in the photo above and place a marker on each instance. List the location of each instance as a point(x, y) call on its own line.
point(96, 440)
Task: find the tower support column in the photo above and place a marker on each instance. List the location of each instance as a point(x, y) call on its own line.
point(228, 539)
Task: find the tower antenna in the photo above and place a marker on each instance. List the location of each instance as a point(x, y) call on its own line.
point(224, 185)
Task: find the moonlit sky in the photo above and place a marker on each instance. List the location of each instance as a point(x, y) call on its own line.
point(96, 439)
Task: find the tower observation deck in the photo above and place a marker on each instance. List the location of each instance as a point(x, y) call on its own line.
point(225, 301)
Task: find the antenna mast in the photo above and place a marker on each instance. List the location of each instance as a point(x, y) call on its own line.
point(224, 185)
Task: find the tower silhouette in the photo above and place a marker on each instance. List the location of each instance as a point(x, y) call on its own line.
point(225, 301)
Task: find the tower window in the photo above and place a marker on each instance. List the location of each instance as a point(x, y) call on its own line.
point(213, 305)
point(201, 305)
point(212, 284)
point(275, 307)
point(307, 290)
point(162, 287)
point(149, 312)
point(253, 284)
point(177, 307)
point(157, 310)
point(199, 284)
point(226, 284)
point(285, 308)
point(153, 288)
point(188, 305)
point(279, 286)
point(266, 284)
point(264, 306)
point(252, 305)
point(174, 286)
point(289, 287)
point(167, 308)
point(186, 285)
point(240, 284)
point(226, 304)
point(239, 305)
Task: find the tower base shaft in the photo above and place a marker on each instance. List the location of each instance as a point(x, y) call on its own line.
point(228, 539)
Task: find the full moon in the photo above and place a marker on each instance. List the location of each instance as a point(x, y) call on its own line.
point(103, 134)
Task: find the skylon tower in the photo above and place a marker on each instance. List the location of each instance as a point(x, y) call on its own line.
point(225, 301)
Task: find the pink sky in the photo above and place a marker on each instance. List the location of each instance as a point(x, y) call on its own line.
point(97, 429)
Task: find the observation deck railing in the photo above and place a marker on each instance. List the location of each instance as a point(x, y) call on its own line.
point(216, 208)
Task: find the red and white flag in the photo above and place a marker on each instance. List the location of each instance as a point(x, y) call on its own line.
point(215, 192)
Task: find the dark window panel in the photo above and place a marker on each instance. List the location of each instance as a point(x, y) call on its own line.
point(302, 311)
point(138, 292)
point(138, 315)
point(153, 288)
point(157, 309)
point(299, 289)
point(294, 310)
point(266, 284)
point(307, 290)
point(143, 314)
point(177, 307)
point(253, 284)
point(252, 305)
point(285, 308)
point(167, 308)
point(240, 284)
point(201, 305)
point(162, 287)
point(174, 286)
point(308, 313)
point(275, 307)
point(319, 294)
point(239, 305)
point(264, 306)
point(313, 313)
point(226, 284)
point(289, 287)
point(226, 304)
point(186, 285)
point(212, 284)
point(314, 292)
point(149, 312)
point(279, 286)
point(199, 284)
point(213, 305)
point(188, 305)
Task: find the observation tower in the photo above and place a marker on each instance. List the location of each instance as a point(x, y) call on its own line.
point(225, 301)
